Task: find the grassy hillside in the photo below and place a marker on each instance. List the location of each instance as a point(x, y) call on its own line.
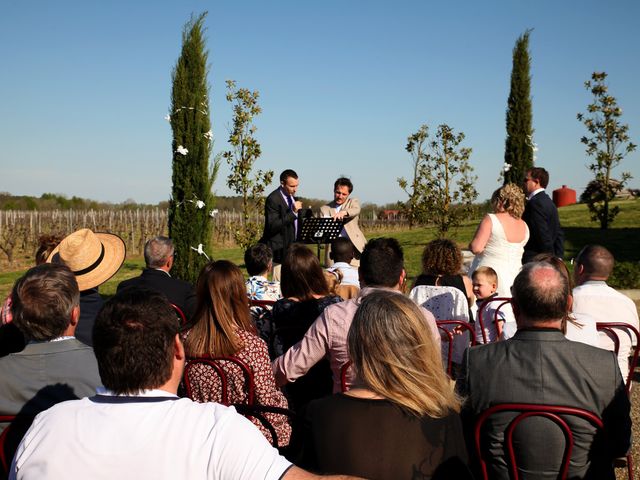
point(622, 240)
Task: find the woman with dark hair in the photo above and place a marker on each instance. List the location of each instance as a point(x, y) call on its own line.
point(441, 267)
point(306, 294)
point(401, 418)
point(223, 328)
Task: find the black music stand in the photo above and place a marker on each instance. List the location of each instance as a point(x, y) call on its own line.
point(320, 230)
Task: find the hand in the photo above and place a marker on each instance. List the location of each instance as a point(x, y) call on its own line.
point(297, 205)
point(339, 215)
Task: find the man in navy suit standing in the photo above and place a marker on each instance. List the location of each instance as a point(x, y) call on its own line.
point(281, 221)
point(541, 215)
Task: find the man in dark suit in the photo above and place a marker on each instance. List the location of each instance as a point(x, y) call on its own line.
point(281, 222)
point(540, 366)
point(158, 256)
point(541, 215)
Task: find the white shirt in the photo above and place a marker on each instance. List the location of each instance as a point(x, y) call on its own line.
point(535, 192)
point(154, 435)
point(349, 273)
point(605, 304)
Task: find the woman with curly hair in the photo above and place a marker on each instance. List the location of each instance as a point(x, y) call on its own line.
point(441, 267)
point(501, 236)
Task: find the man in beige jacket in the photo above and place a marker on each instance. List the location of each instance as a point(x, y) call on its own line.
point(347, 209)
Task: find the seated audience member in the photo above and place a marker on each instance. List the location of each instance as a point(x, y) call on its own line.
point(258, 260)
point(578, 327)
point(223, 328)
point(11, 339)
point(138, 427)
point(485, 284)
point(540, 366)
point(93, 258)
point(158, 257)
point(400, 419)
point(342, 255)
point(381, 267)
point(441, 267)
point(306, 296)
point(592, 296)
point(53, 366)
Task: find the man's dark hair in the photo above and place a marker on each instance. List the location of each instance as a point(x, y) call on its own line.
point(341, 250)
point(541, 175)
point(596, 260)
point(288, 173)
point(540, 291)
point(43, 300)
point(343, 182)
point(133, 340)
point(381, 262)
point(257, 259)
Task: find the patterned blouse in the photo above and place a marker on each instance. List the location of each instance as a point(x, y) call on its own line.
point(206, 385)
point(259, 288)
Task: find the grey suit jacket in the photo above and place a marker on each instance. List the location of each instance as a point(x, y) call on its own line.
point(543, 367)
point(44, 374)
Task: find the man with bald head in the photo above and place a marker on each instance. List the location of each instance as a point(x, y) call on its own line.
point(539, 365)
point(592, 296)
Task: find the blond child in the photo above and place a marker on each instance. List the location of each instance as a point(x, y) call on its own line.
point(485, 285)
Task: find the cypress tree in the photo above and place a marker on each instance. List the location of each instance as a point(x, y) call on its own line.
point(191, 198)
point(518, 151)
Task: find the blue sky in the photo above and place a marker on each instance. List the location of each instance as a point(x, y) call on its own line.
point(85, 86)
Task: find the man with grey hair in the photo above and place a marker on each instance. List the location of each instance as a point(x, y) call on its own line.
point(592, 296)
point(54, 366)
point(538, 365)
point(158, 256)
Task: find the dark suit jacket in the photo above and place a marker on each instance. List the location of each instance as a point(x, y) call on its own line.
point(177, 291)
point(279, 225)
point(545, 233)
point(90, 304)
point(543, 367)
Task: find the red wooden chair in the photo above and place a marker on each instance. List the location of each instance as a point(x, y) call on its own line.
point(181, 316)
point(624, 328)
point(551, 412)
point(267, 304)
point(502, 301)
point(258, 411)
point(6, 450)
point(447, 335)
point(217, 365)
point(10, 439)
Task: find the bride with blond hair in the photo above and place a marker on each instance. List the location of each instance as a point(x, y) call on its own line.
point(401, 418)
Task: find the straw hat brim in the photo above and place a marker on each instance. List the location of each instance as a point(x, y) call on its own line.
point(114, 255)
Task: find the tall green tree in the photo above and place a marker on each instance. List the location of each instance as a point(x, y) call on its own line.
point(519, 147)
point(241, 159)
point(191, 197)
point(416, 144)
point(608, 144)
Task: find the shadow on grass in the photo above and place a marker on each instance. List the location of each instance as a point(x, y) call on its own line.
point(622, 242)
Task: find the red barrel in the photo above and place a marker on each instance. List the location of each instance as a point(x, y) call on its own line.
point(564, 196)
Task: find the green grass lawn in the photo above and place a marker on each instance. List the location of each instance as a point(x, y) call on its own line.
point(621, 239)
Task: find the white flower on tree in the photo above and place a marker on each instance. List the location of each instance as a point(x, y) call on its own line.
point(200, 251)
point(213, 213)
point(167, 118)
point(208, 135)
point(181, 150)
point(507, 167)
point(199, 204)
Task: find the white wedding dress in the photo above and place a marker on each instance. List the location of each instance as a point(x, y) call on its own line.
point(503, 256)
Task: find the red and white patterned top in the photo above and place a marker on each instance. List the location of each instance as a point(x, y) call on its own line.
point(207, 387)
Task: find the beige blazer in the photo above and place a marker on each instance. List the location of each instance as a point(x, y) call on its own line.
point(352, 207)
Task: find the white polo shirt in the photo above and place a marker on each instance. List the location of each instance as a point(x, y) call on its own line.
point(154, 435)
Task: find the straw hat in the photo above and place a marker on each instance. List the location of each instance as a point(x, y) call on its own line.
point(93, 257)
